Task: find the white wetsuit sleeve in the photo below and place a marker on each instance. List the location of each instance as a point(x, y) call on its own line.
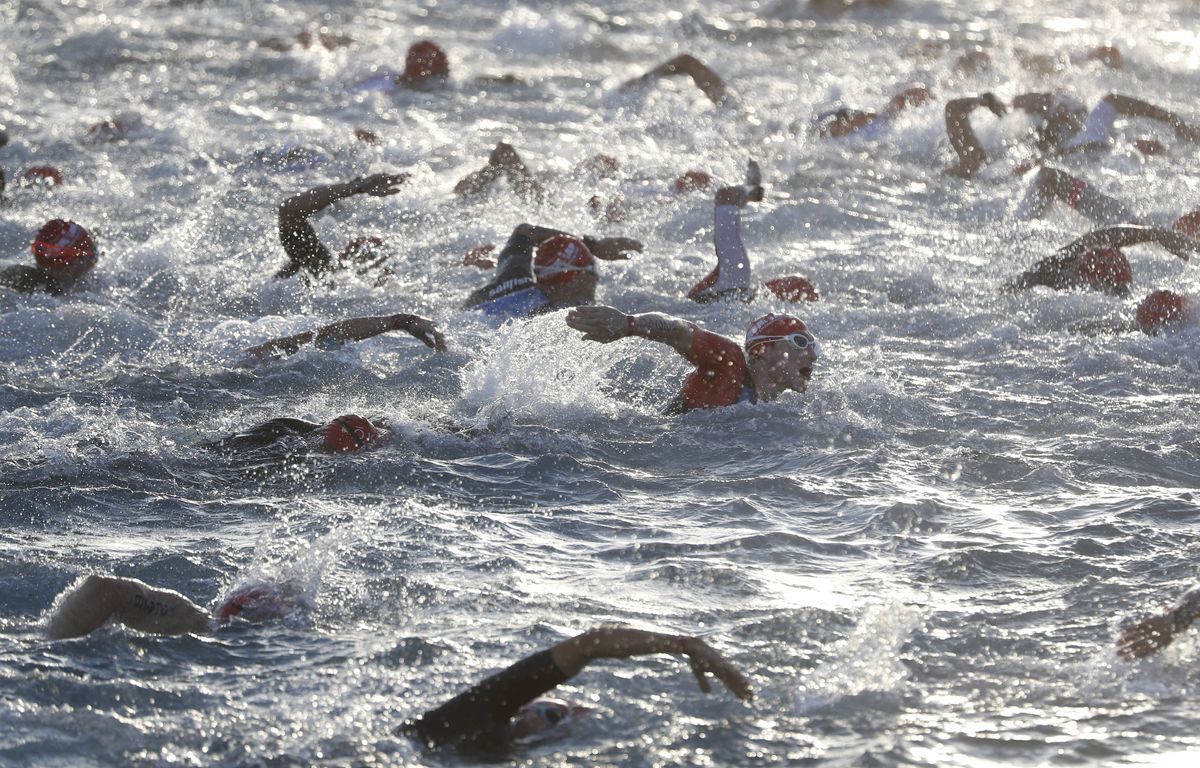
point(732, 261)
point(1098, 127)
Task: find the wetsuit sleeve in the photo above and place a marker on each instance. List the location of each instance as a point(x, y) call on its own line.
point(514, 272)
point(490, 704)
point(30, 280)
point(263, 435)
point(719, 376)
point(732, 273)
point(303, 247)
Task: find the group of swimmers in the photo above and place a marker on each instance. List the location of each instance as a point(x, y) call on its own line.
point(541, 270)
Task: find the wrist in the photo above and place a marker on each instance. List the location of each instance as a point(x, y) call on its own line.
point(630, 325)
point(400, 322)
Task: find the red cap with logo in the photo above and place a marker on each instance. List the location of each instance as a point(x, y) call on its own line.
point(693, 181)
point(1160, 309)
point(793, 288)
point(348, 433)
point(560, 258)
point(1189, 224)
point(426, 59)
point(771, 327)
point(64, 249)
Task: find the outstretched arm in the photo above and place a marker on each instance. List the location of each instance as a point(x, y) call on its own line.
point(1155, 632)
point(971, 156)
point(491, 703)
point(1121, 237)
point(1131, 107)
point(705, 79)
point(354, 329)
point(732, 273)
point(607, 324)
point(298, 237)
point(93, 600)
point(1051, 184)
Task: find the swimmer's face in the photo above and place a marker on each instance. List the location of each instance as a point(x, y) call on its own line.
point(779, 366)
point(580, 289)
point(539, 716)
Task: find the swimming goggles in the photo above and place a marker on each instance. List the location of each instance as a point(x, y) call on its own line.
point(801, 340)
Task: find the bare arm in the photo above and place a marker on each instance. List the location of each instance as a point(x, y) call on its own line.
point(1121, 237)
point(971, 156)
point(92, 601)
point(354, 329)
point(1159, 631)
point(607, 324)
point(1131, 107)
point(572, 655)
point(606, 248)
point(503, 160)
point(705, 79)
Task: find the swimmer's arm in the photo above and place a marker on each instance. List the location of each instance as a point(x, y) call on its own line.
point(971, 156)
point(354, 329)
point(572, 655)
point(607, 324)
point(604, 248)
point(1121, 237)
point(1131, 107)
point(504, 159)
point(709, 82)
point(91, 602)
point(1159, 631)
point(296, 209)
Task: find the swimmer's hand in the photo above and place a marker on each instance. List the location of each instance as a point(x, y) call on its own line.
point(1147, 636)
point(421, 328)
point(1179, 244)
point(705, 661)
point(994, 104)
point(599, 323)
point(477, 257)
point(379, 184)
point(613, 248)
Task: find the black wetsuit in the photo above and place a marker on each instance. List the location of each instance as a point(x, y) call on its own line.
point(481, 714)
point(304, 250)
point(31, 279)
point(264, 435)
point(514, 291)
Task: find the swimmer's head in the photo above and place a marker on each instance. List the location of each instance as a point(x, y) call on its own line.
point(1104, 269)
point(793, 288)
point(1065, 117)
point(64, 249)
point(693, 181)
point(256, 601)
point(565, 269)
point(426, 60)
point(348, 433)
point(602, 166)
point(42, 174)
point(1161, 309)
point(780, 352)
point(914, 96)
point(1189, 224)
point(539, 716)
point(836, 123)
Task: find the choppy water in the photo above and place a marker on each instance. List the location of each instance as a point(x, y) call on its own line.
point(922, 561)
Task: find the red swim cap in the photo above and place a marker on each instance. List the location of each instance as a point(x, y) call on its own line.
point(693, 181)
point(1189, 224)
point(426, 59)
point(560, 259)
point(254, 602)
point(366, 249)
point(1104, 268)
point(42, 174)
point(771, 327)
point(793, 288)
point(1159, 309)
point(913, 96)
point(64, 249)
point(1149, 147)
point(348, 433)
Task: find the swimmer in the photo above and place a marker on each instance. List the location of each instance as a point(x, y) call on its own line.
point(709, 82)
point(1156, 632)
point(1095, 261)
point(345, 434)
point(95, 600)
point(508, 706)
point(834, 124)
point(1063, 124)
point(1162, 310)
point(778, 354)
point(353, 329)
point(731, 277)
point(1052, 184)
point(426, 68)
point(306, 39)
point(64, 252)
point(562, 273)
point(305, 250)
point(503, 161)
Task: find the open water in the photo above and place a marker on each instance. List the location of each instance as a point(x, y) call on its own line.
point(921, 561)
